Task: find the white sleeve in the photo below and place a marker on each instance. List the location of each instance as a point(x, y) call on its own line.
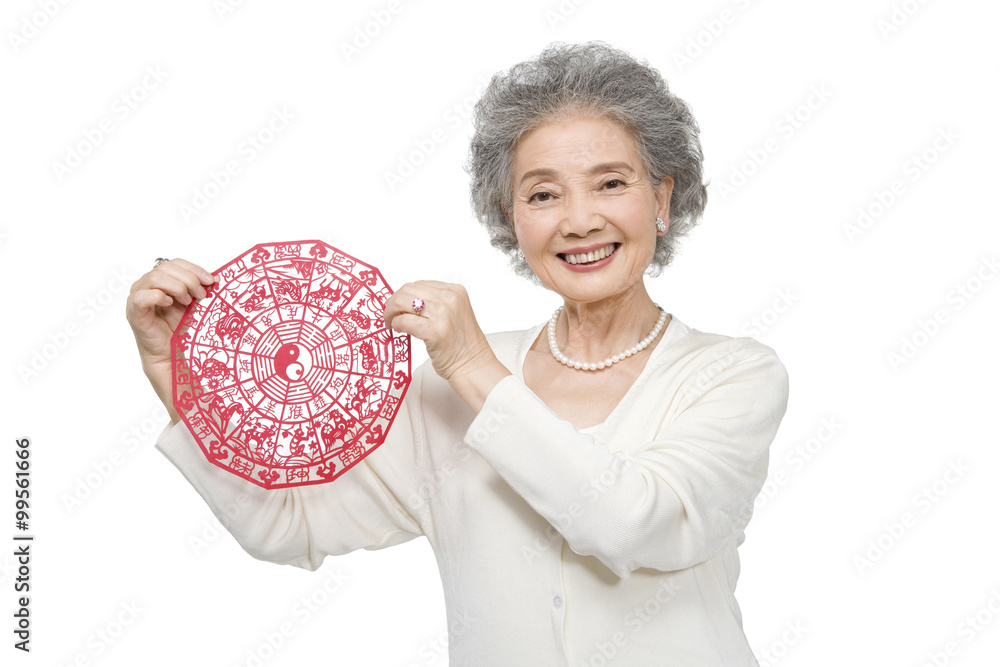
point(673, 503)
point(300, 526)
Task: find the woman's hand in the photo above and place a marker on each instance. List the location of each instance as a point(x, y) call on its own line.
point(456, 345)
point(154, 308)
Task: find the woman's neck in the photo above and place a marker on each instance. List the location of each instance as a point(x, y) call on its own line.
point(594, 331)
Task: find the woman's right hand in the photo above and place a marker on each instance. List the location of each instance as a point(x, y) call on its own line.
point(156, 303)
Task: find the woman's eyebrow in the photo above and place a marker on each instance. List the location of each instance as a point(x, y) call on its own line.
point(543, 171)
point(604, 166)
point(624, 167)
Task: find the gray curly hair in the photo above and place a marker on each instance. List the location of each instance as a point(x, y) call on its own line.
point(593, 78)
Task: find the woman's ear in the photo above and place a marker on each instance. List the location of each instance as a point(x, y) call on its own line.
point(663, 193)
point(509, 214)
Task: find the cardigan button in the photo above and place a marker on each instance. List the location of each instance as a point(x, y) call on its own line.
point(557, 602)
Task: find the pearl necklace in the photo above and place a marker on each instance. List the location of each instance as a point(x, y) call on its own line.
point(607, 363)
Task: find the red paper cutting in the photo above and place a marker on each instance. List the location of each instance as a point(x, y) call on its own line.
point(285, 373)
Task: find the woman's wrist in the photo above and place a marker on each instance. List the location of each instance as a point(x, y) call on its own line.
point(160, 376)
point(475, 381)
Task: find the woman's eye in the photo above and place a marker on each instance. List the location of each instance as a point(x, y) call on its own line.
point(540, 196)
point(613, 183)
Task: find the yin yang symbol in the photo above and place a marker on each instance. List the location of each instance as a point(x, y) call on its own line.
point(291, 362)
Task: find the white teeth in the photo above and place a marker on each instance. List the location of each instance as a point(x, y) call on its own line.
point(587, 257)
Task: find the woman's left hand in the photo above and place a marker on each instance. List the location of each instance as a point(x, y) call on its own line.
point(455, 342)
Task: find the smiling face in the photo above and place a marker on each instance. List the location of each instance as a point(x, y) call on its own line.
point(585, 209)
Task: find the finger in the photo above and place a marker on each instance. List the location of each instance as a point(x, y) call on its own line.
point(176, 288)
point(190, 277)
point(414, 325)
point(148, 299)
point(436, 284)
point(393, 310)
point(403, 302)
point(438, 294)
point(141, 307)
point(398, 302)
point(427, 290)
point(419, 287)
point(191, 274)
point(204, 277)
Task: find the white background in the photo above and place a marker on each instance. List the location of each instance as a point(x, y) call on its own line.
point(878, 432)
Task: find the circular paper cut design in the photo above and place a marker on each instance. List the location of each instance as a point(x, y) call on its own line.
point(285, 373)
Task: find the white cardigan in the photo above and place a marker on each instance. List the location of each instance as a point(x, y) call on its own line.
point(556, 546)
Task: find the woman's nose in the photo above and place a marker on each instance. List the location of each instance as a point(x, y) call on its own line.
point(580, 217)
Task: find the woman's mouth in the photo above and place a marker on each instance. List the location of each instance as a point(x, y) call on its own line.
point(590, 257)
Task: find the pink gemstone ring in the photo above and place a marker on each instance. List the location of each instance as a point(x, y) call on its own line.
point(418, 305)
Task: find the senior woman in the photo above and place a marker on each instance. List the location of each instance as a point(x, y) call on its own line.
point(585, 483)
